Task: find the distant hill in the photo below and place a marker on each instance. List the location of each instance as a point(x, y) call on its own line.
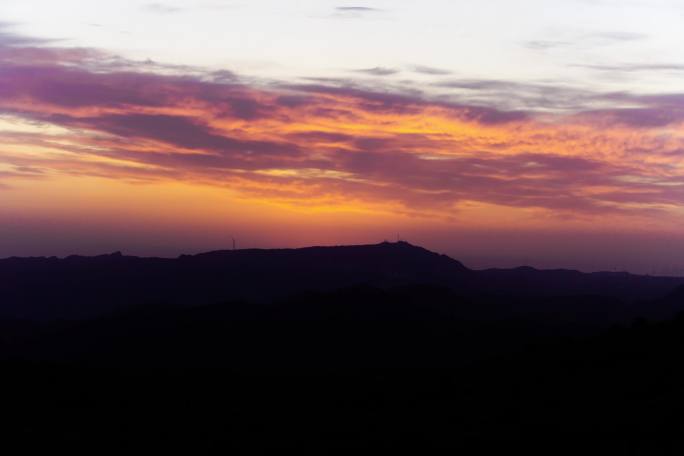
point(84, 287)
point(528, 281)
point(78, 287)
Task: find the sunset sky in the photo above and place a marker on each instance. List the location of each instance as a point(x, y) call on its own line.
point(502, 133)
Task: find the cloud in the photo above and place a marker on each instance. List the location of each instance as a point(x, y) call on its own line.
point(224, 76)
point(516, 96)
point(378, 71)
point(432, 71)
point(18, 172)
point(352, 12)
point(562, 150)
point(584, 41)
point(356, 9)
point(634, 67)
point(9, 39)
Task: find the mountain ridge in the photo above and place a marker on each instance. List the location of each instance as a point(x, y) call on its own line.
point(84, 287)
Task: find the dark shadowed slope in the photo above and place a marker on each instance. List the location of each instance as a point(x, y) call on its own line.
point(303, 373)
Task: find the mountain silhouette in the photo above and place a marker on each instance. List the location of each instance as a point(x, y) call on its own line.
point(80, 287)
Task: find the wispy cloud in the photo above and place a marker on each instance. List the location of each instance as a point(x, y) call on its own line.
point(532, 96)
point(428, 70)
point(378, 71)
point(634, 67)
point(355, 11)
point(585, 40)
point(8, 38)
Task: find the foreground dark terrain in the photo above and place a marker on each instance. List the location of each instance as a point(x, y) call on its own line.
point(333, 349)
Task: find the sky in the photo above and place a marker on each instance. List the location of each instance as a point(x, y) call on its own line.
point(547, 133)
